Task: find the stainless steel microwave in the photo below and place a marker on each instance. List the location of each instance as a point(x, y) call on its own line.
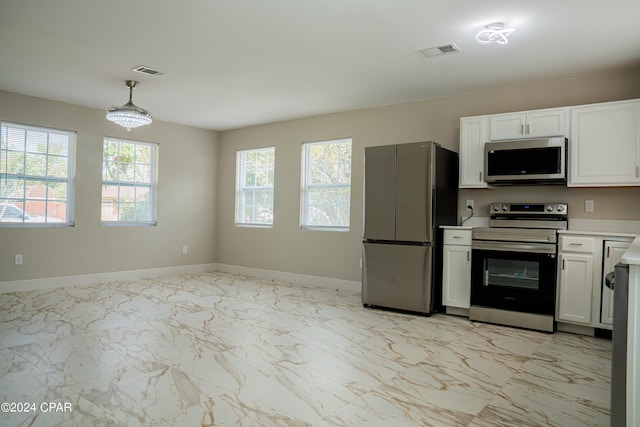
point(526, 162)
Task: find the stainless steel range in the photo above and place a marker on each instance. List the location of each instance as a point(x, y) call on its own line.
point(514, 265)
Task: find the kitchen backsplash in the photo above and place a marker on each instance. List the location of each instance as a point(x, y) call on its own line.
point(609, 203)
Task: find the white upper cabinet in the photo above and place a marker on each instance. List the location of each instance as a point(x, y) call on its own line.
point(605, 145)
point(529, 124)
point(604, 141)
point(474, 132)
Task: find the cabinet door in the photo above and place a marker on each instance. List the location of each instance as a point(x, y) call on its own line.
point(575, 290)
point(546, 123)
point(456, 276)
point(507, 126)
point(473, 135)
point(605, 144)
point(529, 124)
point(613, 252)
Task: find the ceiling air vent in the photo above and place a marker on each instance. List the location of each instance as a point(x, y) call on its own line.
point(147, 70)
point(440, 50)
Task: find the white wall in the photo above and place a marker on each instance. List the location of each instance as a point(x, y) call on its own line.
point(286, 247)
point(186, 200)
point(197, 184)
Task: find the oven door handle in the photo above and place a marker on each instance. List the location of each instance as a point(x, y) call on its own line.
point(514, 247)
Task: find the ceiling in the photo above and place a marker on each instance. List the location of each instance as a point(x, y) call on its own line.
point(235, 63)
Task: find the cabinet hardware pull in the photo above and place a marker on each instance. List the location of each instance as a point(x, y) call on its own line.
point(522, 129)
point(575, 244)
point(637, 171)
point(527, 128)
point(480, 175)
point(563, 264)
point(468, 256)
point(609, 252)
point(457, 237)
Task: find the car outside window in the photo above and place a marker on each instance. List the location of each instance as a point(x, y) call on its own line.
point(36, 175)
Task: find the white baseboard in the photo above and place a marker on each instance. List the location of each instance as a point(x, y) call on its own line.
point(299, 279)
point(88, 279)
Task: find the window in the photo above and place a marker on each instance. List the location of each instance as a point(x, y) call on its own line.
point(326, 184)
point(128, 182)
point(36, 175)
point(254, 187)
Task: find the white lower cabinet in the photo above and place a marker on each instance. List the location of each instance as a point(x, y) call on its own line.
point(575, 288)
point(456, 264)
point(612, 255)
point(584, 261)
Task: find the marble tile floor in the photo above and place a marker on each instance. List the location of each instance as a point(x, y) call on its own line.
point(228, 350)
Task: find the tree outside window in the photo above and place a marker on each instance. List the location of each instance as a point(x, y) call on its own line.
point(326, 186)
point(255, 187)
point(128, 182)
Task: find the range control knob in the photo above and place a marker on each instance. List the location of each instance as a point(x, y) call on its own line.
point(549, 208)
point(560, 208)
point(505, 207)
point(496, 208)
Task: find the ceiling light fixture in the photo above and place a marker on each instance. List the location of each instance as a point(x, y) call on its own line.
point(494, 33)
point(129, 115)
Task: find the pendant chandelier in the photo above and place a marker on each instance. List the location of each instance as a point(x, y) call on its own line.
point(129, 115)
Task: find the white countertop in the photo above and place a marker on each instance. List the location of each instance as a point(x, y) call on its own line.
point(598, 233)
point(605, 226)
point(456, 227)
point(632, 255)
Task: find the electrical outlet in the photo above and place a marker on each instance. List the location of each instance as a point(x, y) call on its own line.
point(18, 259)
point(185, 250)
point(469, 206)
point(588, 205)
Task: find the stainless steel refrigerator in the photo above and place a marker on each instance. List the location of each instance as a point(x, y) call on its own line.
point(409, 191)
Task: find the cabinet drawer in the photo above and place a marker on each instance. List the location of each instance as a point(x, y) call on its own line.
point(576, 244)
point(457, 237)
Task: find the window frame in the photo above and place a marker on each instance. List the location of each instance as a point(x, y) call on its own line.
point(69, 180)
point(152, 185)
point(305, 185)
point(240, 204)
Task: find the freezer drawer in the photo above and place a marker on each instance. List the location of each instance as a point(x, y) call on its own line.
point(398, 276)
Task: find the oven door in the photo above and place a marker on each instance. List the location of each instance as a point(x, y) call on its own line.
point(514, 276)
